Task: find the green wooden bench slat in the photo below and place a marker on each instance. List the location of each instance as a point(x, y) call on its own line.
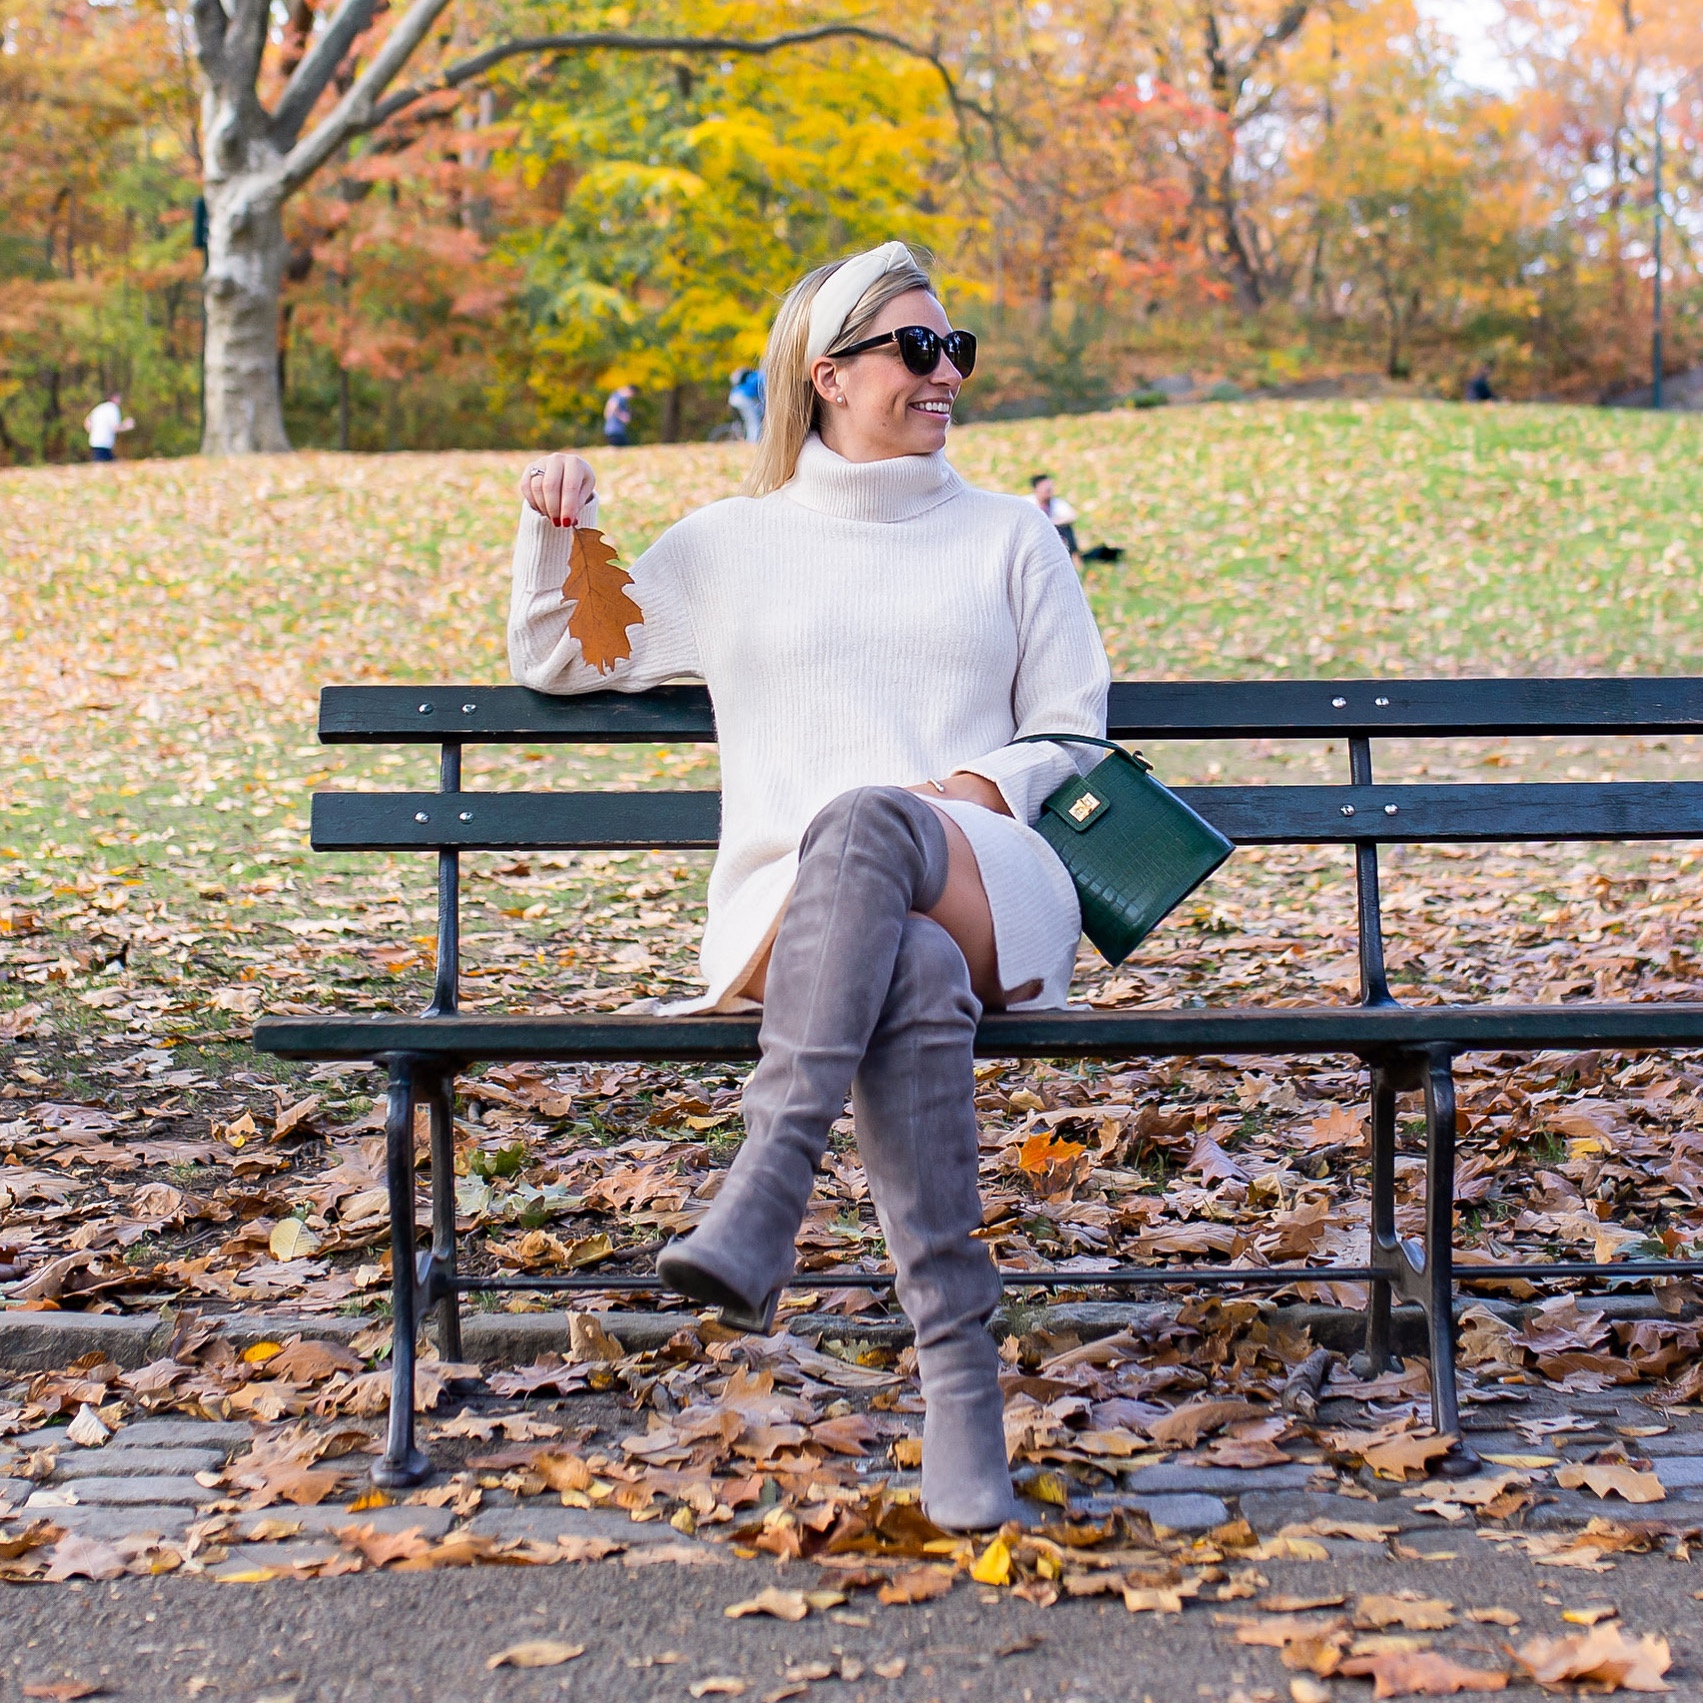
point(1249, 815)
point(1154, 709)
point(1042, 1034)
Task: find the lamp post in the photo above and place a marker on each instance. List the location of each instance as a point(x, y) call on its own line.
point(1662, 98)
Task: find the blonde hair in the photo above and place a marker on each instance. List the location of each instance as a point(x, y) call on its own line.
point(792, 406)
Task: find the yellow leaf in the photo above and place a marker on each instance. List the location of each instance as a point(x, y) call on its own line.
point(993, 1567)
point(291, 1239)
point(374, 1498)
point(258, 1353)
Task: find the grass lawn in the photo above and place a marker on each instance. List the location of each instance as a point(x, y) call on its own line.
point(171, 623)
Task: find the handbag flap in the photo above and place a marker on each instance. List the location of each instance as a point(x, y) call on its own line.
point(1081, 806)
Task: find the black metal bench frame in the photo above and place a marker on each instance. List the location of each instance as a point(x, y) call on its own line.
point(1406, 1049)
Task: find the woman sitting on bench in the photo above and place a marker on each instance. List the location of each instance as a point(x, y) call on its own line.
point(874, 633)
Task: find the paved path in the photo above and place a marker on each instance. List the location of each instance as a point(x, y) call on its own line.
point(424, 1638)
point(381, 1636)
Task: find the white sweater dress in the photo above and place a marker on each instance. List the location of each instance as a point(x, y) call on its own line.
point(868, 624)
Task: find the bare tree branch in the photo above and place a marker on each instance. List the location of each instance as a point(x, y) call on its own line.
point(316, 69)
point(354, 113)
point(246, 42)
point(210, 25)
point(583, 41)
point(1294, 16)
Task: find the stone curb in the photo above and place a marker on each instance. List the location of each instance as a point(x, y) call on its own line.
point(36, 1342)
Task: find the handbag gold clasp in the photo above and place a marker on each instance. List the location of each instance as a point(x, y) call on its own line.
point(1084, 807)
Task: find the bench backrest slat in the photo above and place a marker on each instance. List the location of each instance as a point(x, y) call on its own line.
point(1190, 709)
point(1249, 815)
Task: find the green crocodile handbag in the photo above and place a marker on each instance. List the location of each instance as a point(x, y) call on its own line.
point(1134, 849)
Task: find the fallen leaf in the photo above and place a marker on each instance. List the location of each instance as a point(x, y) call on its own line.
point(1606, 1479)
point(1359, 1531)
point(294, 1117)
point(1493, 1616)
point(993, 1566)
point(1299, 1605)
point(1183, 1427)
point(291, 1239)
point(1591, 1615)
point(587, 1339)
point(1604, 1656)
point(892, 1668)
point(86, 1430)
point(1412, 1452)
point(86, 1557)
point(303, 1360)
point(561, 1471)
point(64, 1690)
point(596, 585)
point(783, 1605)
point(1423, 1673)
point(382, 1548)
point(717, 1686)
point(535, 1653)
point(1416, 1613)
point(917, 1584)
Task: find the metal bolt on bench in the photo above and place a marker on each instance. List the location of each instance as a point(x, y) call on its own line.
point(1407, 1049)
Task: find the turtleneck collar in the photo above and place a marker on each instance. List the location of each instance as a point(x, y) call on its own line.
point(895, 490)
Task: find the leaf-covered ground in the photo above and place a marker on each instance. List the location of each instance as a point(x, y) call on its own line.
point(172, 622)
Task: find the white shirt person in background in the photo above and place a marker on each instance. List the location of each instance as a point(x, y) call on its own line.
point(1057, 510)
point(106, 420)
point(874, 633)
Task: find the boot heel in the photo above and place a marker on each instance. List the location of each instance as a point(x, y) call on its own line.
point(758, 1321)
point(682, 1274)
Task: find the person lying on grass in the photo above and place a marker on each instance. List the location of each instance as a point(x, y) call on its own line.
point(874, 634)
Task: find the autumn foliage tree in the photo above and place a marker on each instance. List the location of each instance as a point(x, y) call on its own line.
point(459, 221)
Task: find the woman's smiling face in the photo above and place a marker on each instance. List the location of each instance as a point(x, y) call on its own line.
point(873, 407)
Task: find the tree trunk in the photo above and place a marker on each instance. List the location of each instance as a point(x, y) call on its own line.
point(1244, 275)
point(245, 266)
point(244, 412)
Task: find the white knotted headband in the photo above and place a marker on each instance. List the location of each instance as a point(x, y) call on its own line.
point(845, 289)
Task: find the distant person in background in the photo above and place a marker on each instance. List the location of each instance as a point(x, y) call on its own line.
point(1479, 387)
point(748, 398)
point(1057, 510)
point(106, 420)
point(618, 416)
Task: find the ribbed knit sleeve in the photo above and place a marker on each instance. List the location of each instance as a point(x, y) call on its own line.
point(1062, 675)
point(544, 655)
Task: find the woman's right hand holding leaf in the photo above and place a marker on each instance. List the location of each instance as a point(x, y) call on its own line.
point(558, 486)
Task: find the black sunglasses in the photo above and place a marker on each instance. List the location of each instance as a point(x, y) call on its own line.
point(920, 348)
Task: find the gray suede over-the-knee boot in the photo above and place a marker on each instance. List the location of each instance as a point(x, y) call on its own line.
point(914, 1100)
point(867, 860)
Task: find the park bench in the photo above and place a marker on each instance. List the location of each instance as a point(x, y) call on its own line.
point(1406, 1049)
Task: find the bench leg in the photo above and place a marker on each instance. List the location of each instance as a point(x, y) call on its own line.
point(1439, 1271)
point(402, 1464)
point(1376, 1357)
point(442, 1267)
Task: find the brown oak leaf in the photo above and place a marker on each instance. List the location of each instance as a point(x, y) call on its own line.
point(1425, 1673)
point(597, 587)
